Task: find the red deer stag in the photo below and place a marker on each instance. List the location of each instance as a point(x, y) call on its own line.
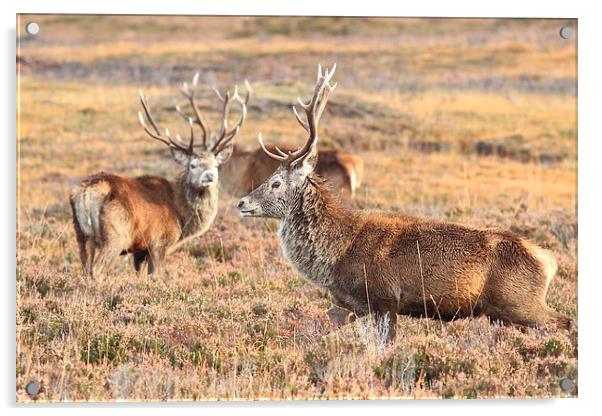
point(247, 169)
point(149, 216)
point(389, 264)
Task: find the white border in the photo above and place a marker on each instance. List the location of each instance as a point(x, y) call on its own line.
point(458, 8)
point(589, 187)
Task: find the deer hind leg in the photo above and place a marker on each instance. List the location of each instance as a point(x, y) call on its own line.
point(156, 254)
point(562, 321)
point(140, 257)
point(532, 315)
point(516, 291)
point(87, 247)
point(539, 314)
point(106, 254)
point(87, 251)
point(112, 245)
point(512, 304)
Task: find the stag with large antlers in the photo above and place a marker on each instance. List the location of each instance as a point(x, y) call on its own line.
point(385, 264)
point(149, 216)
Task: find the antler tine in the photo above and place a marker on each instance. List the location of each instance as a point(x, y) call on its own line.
point(225, 114)
point(300, 120)
point(180, 112)
point(267, 152)
point(191, 144)
point(188, 93)
point(147, 130)
point(249, 91)
point(216, 91)
point(326, 90)
point(226, 136)
point(147, 112)
point(224, 143)
point(313, 111)
point(302, 104)
point(157, 133)
point(237, 97)
point(179, 139)
point(176, 143)
point(281, 152)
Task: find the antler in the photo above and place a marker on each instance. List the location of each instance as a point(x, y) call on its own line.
point(189, 93)
point(155, 133)
point(313, 112)
point(226, 135)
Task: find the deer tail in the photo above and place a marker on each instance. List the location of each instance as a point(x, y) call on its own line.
point(86, 203)
point(354, 168)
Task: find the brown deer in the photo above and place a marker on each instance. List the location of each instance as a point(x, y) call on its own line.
point(248, 169)
point(393, 264)
point(149, 216)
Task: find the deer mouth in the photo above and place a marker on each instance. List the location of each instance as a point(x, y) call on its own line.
point(248, 208)
point(248, 212)
point(206, 182)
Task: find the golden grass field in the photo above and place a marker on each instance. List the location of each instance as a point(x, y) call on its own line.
point(421, 101)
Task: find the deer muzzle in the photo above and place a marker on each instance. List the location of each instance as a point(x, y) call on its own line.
point(248, 208)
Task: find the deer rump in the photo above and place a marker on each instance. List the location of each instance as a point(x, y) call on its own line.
point(444, 270)
point(128, 214)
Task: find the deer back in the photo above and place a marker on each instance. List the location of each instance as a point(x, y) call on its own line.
point(246, 170)
point(138, 210)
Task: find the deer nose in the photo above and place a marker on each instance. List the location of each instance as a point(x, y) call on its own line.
point(240, 204)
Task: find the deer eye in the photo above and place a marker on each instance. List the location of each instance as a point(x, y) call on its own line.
point(275, 184)
point(194, 164)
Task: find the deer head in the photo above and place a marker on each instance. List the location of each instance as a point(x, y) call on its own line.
point(275, 196)
point(201, 160)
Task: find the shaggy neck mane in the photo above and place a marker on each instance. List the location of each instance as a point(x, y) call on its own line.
point(317, 231)
point(196, 207)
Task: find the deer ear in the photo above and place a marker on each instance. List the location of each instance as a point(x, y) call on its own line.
point(307, 163)
point(180, 156)
point(224, 155)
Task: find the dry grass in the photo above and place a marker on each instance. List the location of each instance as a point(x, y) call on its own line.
point(229, 318)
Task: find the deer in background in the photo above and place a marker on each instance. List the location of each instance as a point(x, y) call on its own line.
point(248, 169)
point(386, 265)
point(149, 216)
